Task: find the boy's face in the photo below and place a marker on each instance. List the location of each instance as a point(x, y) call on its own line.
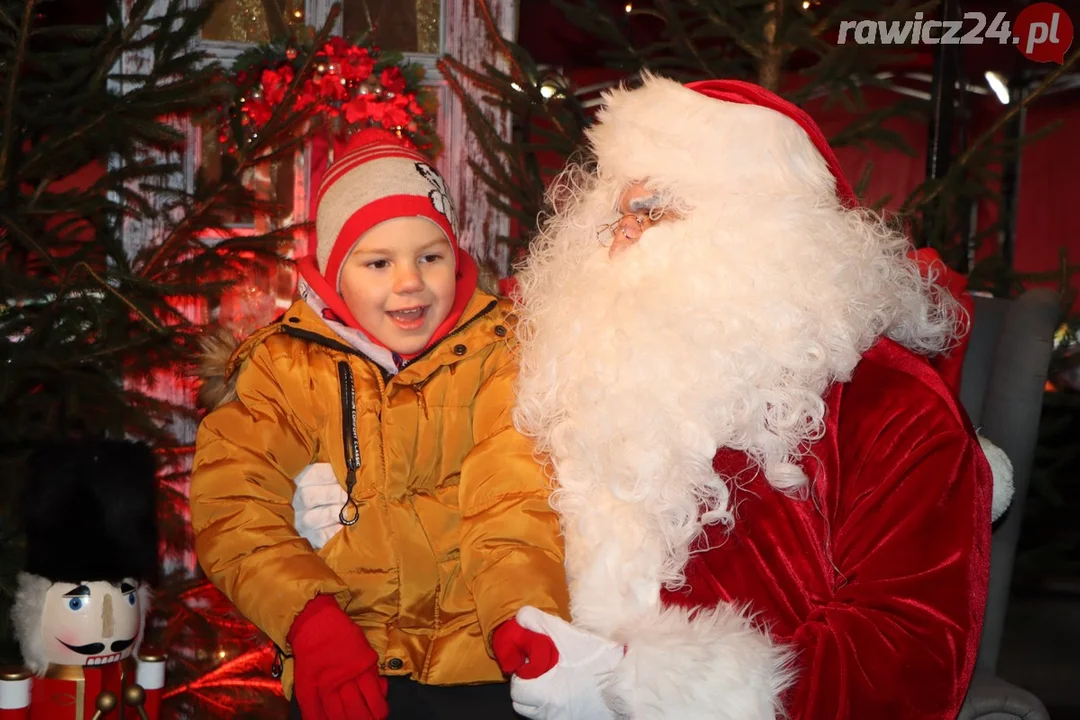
point(399, 282)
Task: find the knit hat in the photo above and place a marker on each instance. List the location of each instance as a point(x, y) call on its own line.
point(714, 137)
point(377, 178)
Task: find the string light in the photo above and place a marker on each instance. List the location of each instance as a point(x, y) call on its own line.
point(629, 7)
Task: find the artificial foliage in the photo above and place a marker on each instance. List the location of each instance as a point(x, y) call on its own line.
point(109, 264)
point(343, 85)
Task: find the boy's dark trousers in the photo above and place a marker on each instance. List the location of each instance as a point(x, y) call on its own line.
point(409, 700)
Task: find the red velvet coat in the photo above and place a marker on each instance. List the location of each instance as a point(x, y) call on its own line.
point(861, 601)
point(879, 580)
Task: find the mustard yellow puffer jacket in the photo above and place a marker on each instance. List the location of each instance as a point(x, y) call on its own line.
point(454, 532)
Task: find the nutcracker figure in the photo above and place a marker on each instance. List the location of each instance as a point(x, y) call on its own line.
point(81, 603)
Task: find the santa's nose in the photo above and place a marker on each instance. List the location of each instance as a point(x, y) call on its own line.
point(628, 232)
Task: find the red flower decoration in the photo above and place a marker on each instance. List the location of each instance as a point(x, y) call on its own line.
point(394, 116)
point(331, 87)
point(358, 64)
point(307, 96)
point(259, 111)
point(336, 46)
point(356, 109)
point(393, 80)
point(275, 83)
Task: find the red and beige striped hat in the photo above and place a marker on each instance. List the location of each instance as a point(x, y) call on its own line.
point(376, 179)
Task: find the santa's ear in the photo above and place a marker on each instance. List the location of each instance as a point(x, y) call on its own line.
point(1002, 470)
point(26, 615)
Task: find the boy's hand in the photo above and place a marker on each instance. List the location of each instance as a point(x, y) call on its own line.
point(572, 690)
point(336, 675)
point(316, 504)
point(522, 652)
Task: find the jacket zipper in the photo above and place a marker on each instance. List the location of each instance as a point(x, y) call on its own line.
point(351, 441)
point(348, 423)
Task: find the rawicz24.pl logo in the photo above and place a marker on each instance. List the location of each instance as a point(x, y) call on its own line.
point(1042, 32)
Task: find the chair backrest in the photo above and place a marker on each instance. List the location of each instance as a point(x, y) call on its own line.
point(1002, 389)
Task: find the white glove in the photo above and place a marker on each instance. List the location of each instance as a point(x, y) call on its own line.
point(316, 504)
point(572, 689)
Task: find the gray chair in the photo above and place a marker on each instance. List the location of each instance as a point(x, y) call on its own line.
point(1002, 388)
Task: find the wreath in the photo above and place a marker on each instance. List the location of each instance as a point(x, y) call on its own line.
point(348, 85)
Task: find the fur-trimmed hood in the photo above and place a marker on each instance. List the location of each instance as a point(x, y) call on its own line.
point(222, 356)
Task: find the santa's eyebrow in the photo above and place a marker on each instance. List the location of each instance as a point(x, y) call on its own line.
point(126, 587)
point(644, 203)
point(78, 591)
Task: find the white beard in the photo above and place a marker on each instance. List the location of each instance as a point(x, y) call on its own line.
point(720, 330)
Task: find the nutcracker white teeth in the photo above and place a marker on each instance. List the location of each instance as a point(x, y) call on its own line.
point(104, 659)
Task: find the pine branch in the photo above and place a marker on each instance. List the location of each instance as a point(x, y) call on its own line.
point(14, 72)
point(988, 135)
point(109, 288)
point(248, 156)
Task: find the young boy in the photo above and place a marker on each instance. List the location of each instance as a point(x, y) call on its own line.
point(396, 371)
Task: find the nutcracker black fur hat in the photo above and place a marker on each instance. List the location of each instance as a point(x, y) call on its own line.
point(89, 508)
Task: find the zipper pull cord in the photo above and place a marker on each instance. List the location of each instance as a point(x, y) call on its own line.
point(278, 667)
point(352, 443)
point(350, 483)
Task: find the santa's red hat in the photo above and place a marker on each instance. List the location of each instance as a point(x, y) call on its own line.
point(737, 91)
point(715, 137)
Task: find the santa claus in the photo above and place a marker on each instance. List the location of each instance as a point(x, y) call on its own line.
point(773, 504)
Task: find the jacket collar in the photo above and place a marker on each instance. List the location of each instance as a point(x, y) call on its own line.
point(482, 317)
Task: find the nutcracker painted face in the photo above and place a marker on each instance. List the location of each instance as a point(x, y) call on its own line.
point(91, 623)
point(82, 623)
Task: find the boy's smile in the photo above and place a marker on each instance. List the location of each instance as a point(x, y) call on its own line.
point(409, 319)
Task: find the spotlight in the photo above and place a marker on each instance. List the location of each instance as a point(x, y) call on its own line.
point(997, 84)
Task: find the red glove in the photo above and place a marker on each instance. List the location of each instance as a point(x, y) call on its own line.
point(335, 675)
point(522, 652)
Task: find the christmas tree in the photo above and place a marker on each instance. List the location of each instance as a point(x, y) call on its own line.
point(111, 265)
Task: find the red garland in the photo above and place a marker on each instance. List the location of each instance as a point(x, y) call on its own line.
point(341, 83)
